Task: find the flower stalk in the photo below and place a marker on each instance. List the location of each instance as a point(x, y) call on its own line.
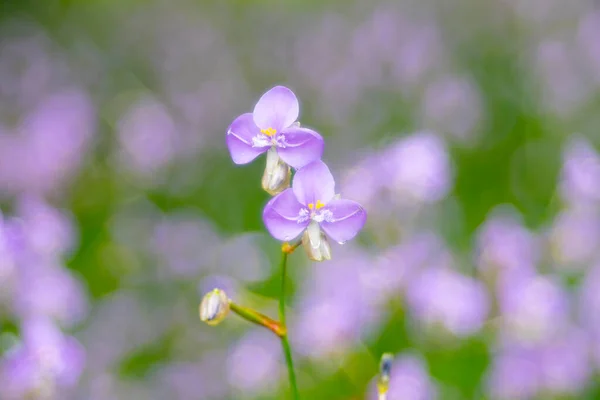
point(287, 249)
point(257, 318)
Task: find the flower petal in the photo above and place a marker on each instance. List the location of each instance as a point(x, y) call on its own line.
point(348, 219)
point(240, 139)
point(301, 146)
point(314, 182)
point(281, 216)
point(277, 109)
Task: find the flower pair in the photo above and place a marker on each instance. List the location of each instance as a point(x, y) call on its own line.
point(310, 207)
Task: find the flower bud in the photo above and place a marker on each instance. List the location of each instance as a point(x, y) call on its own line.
point(385, 367)
point(315, 243)
point(214, 307)
point(277, 174)
point(385, 370)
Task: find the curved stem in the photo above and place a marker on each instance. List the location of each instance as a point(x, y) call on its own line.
point(284, 339)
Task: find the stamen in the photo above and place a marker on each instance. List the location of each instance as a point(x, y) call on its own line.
point(319, 205)
point(268, 131)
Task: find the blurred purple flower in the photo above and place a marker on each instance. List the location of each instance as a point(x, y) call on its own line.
point(400, 264)
point(560, 367)
point(441, 296)
point(452, 106)
point(195, 380)
point(417, 52)
point(48, 289)
point(327, 328)
point(589, 300)
point(513, 375)
point(49, 145)
point(352, 307)
point(565, 364)
point(180, 242)
point(140, 323)
point(46, 230)
point(409, 380)
point(503, 244)
point(417, 167)
point(364, 181)
point(589, 31)
point(45, 364)
point(254, 364)
point(272, 124)
point(565, 86)
point(580, 177)
point(148, 137)
point(311, 205)
point(243, 250)
point(575, 238)
point(31, 66)
point(7, 266)
point(533, 309)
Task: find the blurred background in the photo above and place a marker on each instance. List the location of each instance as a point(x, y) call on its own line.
point(468, 129)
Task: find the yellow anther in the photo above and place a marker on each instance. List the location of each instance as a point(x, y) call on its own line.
point(320, 204)
point(268, 131)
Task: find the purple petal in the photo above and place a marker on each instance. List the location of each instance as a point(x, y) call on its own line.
point(314, 182)
point(277, 109)
point(282, 216)
point(301, 146)
point(348, 219)
point(74, 359)
point(239, 139)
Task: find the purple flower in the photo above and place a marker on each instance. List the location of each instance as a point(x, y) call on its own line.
point(589, 300)
point(441, 296)
point(311, 206)
point(44, 364)
point(560, 367)
point(514, 374)
point(417, 168)
point(504, 244)
point(580, 175)
point(272, 125)
point(253, 366)
point(7, 267)
point(565, 364)
point(353, 307)
point(533, 309)
point(574, 238)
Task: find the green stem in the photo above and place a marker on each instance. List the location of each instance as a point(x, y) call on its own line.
point(284, 339)
point(257, 318)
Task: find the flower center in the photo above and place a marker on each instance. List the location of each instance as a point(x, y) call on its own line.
point(269, 137)
point(269, 132)
point(319, 205)
point(315, 212)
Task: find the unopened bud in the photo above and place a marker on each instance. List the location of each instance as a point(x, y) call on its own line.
point(214, 307)
point(277, 174)
point(385, 371)
point(315, 243)
point(385, 366)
